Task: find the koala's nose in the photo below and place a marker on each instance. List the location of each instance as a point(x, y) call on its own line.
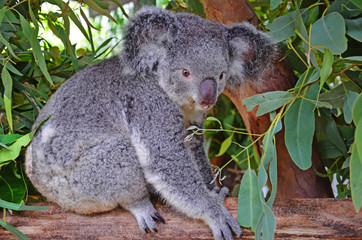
point(207, 93)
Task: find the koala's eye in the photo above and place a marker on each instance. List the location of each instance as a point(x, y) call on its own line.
point(186, 73)
point(221, 77)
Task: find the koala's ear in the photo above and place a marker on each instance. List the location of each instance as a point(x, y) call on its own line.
point(251, 53)
point(148, 36)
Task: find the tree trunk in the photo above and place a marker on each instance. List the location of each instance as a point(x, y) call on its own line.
point(292, 181)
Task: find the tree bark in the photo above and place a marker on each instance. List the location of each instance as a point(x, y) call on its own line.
point(295, 219)
point(292, 181)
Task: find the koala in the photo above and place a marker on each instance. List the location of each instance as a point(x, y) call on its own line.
point(117, 129)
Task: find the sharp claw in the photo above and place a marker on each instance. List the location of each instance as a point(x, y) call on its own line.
point(159, 218)
point(155, 230)
point(146, 230)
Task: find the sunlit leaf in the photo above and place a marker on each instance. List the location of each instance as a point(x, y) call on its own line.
point(6, 155)
point(225, 145)
point(92, 4)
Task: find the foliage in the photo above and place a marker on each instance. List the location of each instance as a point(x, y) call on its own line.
point(32, 68)
point(321, 41)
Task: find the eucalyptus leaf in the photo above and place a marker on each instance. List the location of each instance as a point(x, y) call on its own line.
point(355, 175)
point(250, 207)
point(326, 69)
point(354, 28)
point(267, 102)
point(225, 145)
point(348, 105)
point(274, 4)
point(329, 31)
point(299, 128)
point(282, 27)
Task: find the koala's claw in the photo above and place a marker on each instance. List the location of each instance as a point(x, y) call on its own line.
point(157, 217)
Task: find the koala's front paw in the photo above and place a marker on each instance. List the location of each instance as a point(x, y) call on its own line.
point(220, 193)
point(223, 224)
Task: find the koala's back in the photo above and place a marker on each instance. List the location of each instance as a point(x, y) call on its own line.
point(80, 100)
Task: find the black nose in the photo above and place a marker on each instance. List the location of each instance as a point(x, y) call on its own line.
point(207, 93)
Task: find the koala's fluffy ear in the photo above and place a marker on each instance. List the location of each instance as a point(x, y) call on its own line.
point(251, 53)
point(148, 35)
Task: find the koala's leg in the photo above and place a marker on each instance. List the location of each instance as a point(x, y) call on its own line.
point(89, 175)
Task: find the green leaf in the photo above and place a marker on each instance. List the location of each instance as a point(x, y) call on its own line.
point(72, 16)
point(196, 6)
point(335, 137)
point(354, 28)
point(38, 55)
point(283, 27)
point(299, 25)
point(312, 16)
point(121, 7)
point(355, 169)
point(329, 31)
point(93, 5)
point(336, 96)
point(12, 69)
point(225, 145)
point(6, 155)
point(299, 128)
point(348, 104)
point(13, 230)
point(249, 204)
point(274, 4)
point(27, 30)
point(215, 120)
point(9, 138)
point(267, 102)
point(357, 109)
point(2, 14)
point(12, 185)
point(358, 3)
point(6, 43)
point(8, 85)
point(19, 207)
point(326, 69)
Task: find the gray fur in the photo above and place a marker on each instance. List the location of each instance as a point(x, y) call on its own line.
point(117, 128)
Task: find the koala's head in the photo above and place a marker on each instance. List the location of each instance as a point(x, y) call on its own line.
point(191, 58)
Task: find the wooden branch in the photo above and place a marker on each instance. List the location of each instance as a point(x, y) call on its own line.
point(292, 181)
point(296, 219)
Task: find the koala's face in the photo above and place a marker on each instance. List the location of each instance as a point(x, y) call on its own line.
point(198, 64)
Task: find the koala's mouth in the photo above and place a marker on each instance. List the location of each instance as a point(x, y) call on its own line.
point(202, 105)
point(207, 106)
